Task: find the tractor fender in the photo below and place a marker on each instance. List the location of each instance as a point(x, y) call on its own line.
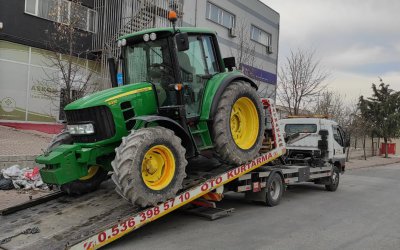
point(179, 131)
point(225, 82)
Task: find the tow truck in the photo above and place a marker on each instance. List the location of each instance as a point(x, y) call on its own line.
point(100, 217)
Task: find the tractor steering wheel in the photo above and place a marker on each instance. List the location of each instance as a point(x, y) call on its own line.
point(162, 66)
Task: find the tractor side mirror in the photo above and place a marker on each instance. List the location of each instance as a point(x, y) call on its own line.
point(113, 71)
point(182, 41)
point(229, 63)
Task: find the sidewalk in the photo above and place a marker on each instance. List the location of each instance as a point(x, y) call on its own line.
point(372, 162)
point(21, 146)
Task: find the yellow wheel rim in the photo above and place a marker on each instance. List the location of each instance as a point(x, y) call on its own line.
point(158, 167)
point(244, 123)
point(91, 172)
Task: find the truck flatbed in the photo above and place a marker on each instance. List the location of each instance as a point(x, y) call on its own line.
point(98, 218)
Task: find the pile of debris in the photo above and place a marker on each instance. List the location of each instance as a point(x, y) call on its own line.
point(26, 178)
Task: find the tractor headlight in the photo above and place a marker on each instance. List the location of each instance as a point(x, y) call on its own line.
point(81, 129)
point(153, 36)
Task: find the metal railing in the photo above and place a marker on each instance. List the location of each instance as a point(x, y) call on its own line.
point(120, 17)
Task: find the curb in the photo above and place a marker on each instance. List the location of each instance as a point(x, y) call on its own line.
point(372, 166)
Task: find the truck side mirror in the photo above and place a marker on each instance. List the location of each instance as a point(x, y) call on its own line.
point(113, 71)
point(182, 41)
point(229, 63)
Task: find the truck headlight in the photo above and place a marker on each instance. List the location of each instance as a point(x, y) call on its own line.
point(81, 129)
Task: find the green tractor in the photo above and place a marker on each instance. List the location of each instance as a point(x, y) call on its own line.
point(175, 99)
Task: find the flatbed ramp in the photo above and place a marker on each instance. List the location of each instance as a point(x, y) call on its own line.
point(96, 219)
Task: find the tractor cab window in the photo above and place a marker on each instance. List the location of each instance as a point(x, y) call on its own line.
point(151, 62)
point(196, 64)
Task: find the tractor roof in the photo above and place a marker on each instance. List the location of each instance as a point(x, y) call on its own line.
point(169, 29)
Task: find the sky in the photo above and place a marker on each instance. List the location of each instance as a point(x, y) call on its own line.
point(357, 41)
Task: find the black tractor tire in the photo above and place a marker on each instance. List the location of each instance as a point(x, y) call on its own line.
point(334, 180)
point(62, 138)
point(77, 187)
point(129, 160)
point(274, 190)
point(225, 146)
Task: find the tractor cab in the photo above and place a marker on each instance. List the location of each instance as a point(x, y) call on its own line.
point(178, 63)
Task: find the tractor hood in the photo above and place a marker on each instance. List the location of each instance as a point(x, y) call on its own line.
point(110, 96)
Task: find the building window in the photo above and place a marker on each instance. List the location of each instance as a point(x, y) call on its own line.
point(260, 36)
point(62, 11)
point(220, 16)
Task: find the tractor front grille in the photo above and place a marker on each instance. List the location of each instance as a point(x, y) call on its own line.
point(101, 118)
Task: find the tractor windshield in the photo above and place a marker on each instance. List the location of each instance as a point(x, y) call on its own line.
point(151, 62)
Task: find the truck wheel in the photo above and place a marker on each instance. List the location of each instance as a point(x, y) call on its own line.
point(239, 124)
point(96, 175)
point(333, 180)
point(149, 166)
point(274, 190)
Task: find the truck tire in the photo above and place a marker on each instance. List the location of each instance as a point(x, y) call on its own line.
point(149, 166)
point(333, 180)
point(89, 183)
point(239, 124)
point(274, 190)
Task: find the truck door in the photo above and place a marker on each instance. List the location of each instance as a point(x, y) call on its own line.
point(338, 143)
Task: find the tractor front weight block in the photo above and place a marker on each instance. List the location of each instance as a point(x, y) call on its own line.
point(64, 164)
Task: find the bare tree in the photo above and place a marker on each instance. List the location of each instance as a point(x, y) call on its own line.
point(332, 104)
point(70, 77)
point(300, 80)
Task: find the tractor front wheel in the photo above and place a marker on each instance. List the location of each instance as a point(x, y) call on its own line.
point(149, 166)
point(239, 124)
point(89, 183)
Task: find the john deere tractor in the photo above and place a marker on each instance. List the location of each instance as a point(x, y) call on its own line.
point(173, 98)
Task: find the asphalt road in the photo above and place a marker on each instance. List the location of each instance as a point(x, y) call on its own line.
point(364, 213)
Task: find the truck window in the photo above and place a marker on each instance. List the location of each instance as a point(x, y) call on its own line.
point(337, 135)
point(300, 128)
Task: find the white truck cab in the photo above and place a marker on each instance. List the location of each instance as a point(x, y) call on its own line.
point(314, 141)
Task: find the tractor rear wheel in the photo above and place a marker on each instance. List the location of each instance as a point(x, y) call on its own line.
point(239, 124)
point(89, 183)
point(149, 166)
